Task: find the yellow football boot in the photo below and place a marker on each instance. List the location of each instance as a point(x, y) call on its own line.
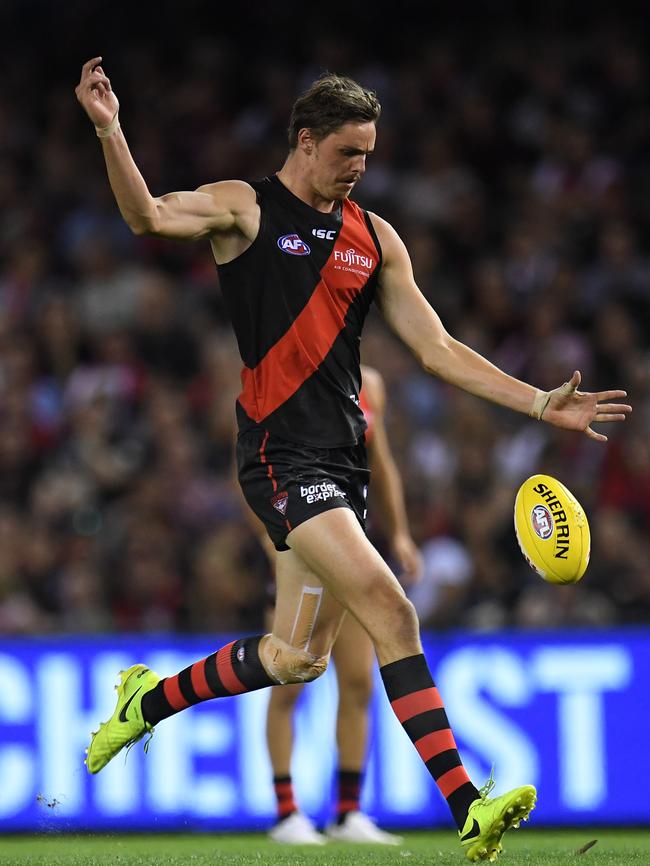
point(126, 726)
point(489, 818)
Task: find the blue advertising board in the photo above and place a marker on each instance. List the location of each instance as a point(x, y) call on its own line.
point(565, 711)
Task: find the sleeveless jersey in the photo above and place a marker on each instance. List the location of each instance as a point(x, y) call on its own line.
point(298, 298)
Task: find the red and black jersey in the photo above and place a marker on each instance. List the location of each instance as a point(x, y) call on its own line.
point(298, 298)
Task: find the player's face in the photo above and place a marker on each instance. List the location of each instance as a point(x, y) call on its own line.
point(339, 160)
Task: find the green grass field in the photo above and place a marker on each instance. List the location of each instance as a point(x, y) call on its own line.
point(559, 848)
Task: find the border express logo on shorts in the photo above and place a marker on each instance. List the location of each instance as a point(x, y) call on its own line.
point(320, 492)
point(294, 245)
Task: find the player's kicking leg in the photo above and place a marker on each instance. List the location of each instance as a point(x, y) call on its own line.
point(334, 547)
point(307, 619)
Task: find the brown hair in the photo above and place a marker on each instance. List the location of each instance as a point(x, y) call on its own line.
point(331, 101)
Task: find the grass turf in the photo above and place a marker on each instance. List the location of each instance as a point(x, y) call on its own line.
point(531, 847)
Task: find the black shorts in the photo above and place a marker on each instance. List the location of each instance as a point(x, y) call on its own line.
point(286, 483)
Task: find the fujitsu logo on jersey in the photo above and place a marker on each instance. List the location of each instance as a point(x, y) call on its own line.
point(294, 245)
point(352, 257)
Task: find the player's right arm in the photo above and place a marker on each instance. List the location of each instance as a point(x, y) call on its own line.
point(213, 209)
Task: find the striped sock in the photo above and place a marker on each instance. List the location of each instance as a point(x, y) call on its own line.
point(234, 669)
point(349, 793)
point(417, 704)
point(283, 788)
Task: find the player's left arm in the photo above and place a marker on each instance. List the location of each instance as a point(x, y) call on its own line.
point(413, 319)
point(387, 488)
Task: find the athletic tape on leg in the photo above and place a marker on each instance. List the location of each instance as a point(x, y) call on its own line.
point(306, 615)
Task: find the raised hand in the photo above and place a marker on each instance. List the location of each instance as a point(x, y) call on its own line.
point(578, 410)
point(95, 94)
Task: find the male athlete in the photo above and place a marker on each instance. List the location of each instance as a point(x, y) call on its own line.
point(353, 658)
point(299, 265)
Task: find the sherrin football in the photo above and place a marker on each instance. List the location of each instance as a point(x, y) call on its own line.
point(552, 530)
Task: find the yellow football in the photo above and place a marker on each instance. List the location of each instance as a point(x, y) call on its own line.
point(552, 529)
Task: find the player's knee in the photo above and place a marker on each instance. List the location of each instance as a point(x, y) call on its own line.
point(356, 690)
point(288, 664)
point(284, 698)
point(404, 620)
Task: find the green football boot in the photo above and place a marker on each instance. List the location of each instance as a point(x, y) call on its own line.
point(126, 726)
point(489, 818)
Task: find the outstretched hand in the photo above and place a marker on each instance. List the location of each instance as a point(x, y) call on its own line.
point(578, 410)
point(95, 94)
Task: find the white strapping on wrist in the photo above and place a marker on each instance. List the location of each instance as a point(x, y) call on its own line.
point(107, 131)
point(540, 402)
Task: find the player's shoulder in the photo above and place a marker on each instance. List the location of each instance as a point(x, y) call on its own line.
point(238, 194)
point(388, 238)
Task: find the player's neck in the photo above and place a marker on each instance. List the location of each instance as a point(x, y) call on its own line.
point(297, 179)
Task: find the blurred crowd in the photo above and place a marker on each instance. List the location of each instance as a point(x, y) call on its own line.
point(516, 170)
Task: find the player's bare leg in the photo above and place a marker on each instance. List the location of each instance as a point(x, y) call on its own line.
point(308, 617)
point(334, 546)
point(354, 659)
point(279, 728)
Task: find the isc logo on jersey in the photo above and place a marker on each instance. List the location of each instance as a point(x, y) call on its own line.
point(294, 245)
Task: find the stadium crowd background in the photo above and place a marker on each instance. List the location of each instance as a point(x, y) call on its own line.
point(515, 165)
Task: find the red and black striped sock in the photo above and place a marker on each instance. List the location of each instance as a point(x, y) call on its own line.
point(417, 704)
point(283, 788)
point(234, 669)
point(349, 793)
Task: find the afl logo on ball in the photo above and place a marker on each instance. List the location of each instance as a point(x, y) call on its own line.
point(542, 521)
point(293, 245)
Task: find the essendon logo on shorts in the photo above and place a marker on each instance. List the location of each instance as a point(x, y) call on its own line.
point(280, 502)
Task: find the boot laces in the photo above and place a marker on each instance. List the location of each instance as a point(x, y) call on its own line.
point(488, 787)
point(131, 743)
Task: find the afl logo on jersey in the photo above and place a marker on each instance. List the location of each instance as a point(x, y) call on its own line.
point(293, 245)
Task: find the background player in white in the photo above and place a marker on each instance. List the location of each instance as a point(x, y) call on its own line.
point(353, 657)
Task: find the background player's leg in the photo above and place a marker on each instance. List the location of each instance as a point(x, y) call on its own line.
point(354, 659)
point(292, 826)
point(279, 733)
point(279, 741)
point(308, 616)
point(334, 546)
